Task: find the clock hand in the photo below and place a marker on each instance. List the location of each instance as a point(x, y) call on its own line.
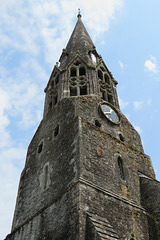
point(107, 112)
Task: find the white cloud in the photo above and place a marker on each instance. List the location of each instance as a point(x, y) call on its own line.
point(123, 104)
point(122, 65)
point(4, 119)
point(46, 25)
point(149, 102)
point(11, 161)
point(151, 65)
point(137, 105)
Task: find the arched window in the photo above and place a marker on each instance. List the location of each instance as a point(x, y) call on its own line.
point(121, 169)
point(40, 147)
point(106, 77)
point(121, 137)
point(56, 131)
point(73, 72)
point(82, 71)
point(100, 74)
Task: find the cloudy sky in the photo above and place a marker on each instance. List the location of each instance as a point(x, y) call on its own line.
point(32, 36)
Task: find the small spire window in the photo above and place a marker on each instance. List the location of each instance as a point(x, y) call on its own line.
point(93, 57)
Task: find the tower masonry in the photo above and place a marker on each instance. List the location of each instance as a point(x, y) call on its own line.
point(86, 176)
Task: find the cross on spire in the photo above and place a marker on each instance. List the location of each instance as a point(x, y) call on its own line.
point(79, 13)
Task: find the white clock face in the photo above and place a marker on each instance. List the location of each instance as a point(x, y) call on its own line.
point(110, 113)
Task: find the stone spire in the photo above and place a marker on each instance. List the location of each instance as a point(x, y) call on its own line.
point(82, 71)
point(79, 42)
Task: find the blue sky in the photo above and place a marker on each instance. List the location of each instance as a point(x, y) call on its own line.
point(32, 36)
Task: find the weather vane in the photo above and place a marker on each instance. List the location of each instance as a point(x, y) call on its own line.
point(79, 13)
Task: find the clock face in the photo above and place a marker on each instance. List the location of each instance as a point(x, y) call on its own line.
point(110, 113)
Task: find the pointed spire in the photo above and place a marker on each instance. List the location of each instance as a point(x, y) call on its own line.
point(80, 41)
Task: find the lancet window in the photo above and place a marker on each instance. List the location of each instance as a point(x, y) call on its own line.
point(121, 168)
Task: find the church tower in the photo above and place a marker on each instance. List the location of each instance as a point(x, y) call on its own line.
point(86, 176)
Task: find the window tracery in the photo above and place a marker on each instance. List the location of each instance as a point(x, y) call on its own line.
point(106, 92)
point(53, 91)
point(78, 80)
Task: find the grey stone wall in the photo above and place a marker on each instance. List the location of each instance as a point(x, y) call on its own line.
point(60, 153)
point(75, 171)
point(150, 197)
point(58, 221)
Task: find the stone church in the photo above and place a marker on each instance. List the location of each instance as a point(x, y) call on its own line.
point(86, 176)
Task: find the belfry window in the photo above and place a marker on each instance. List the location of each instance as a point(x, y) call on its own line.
point(106, 77)
point(121, 169)
point(110, 99)
point(82, 71)
point(73, 91)
point(83, 90)
point(73, 72)
point(103, 95)
point(100, 74)
point(78, 80)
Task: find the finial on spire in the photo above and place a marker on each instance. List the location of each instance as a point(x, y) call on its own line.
point(79, 13)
